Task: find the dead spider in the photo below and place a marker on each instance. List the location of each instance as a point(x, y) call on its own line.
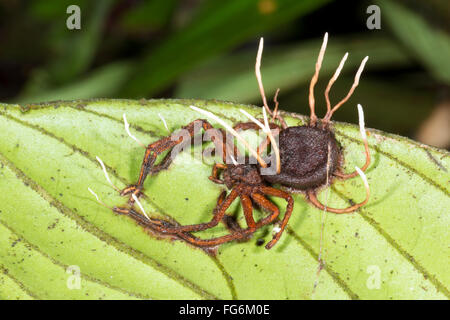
point(307, 158)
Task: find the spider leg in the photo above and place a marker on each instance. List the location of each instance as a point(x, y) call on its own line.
point(248, 213)
point(214, 241)
point(228, 220)
point(156, 225)
point(215, 175)
point(265, 204)
point(166, 143)
point(290, 206)
point(345, 176)
point(253, 126)
point(313, 198)
point(219, 213)
point(162, 226)
point(237, 231)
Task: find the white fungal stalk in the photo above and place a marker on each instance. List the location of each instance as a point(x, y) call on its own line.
point(360, 70)
point(140, 205)
point(362, 129)
point(98, 199)
point(316, 77)
point(164, 122)
point(266, 128)
point(364, 179)
point(233, 132)
point(258, 74)
point(106, 173)
point(95, 195)
point(233, 159)
point(127, 129)
point(323, 48)
point(339, 68)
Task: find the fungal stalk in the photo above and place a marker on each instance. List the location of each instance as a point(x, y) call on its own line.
point(127, 129)
point(106, 173)
point(266, 128)
point(98, 199)
point(329, 114)
point(315, 78)
point(139, 205)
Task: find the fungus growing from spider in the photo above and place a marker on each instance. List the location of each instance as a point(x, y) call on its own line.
point(127, 129)
point(164, 121)
point(308, 158)
point(106, 173)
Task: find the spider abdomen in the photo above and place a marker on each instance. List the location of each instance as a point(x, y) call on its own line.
point(304, 157)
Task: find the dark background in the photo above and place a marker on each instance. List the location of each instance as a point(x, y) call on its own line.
point(206, 49)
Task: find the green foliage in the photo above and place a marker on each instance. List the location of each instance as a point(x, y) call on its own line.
point(429, 44)
point(49, 220)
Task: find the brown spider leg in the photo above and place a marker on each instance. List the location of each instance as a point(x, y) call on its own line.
point(219, 212)
point(214, 241)
point(228, 220)
point(265, 204)
point(345, 176)
point(239, 233)
point(313, 199)
point(215, 173)
point(152, 223)
point(253, 126)
point(290, 206)
point(248, 213)
point(156, 148)
point(165, 163)
point(157, 225)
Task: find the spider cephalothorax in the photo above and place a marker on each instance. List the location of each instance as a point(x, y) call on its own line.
point(241, 173)
point(306, 158)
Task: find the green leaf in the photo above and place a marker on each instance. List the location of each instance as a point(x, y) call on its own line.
point(217, 27)
point(49, 221)
point(232, 78)
point(429, 44)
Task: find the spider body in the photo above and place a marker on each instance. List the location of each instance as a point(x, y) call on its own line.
point(247, 174)
point(309, 155)
point(307, 158)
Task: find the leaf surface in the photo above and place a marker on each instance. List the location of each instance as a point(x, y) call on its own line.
point(396, 247)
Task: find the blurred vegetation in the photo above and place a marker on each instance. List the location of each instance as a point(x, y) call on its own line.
point(206, 49)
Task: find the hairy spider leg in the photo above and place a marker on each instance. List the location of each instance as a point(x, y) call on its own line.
point(228, 220)
point(159, 226)
point(219, 212)
point(313, 198)
point(240, 233)
point(253, 126)
point(271, 207)
point(156, 148)
point(214, 177)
